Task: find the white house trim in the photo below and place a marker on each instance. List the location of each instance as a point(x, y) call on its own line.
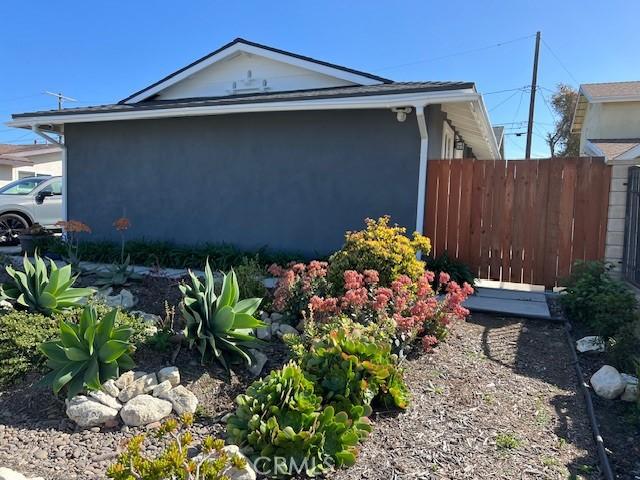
point(240, 47)
point(630, 154)
point(63, 147)
point(422, 170)
point(595, 150)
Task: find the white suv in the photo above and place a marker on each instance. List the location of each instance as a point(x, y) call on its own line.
point(28, 201)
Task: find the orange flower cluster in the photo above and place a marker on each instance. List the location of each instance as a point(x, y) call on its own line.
point(73, 226)
point(122, 224)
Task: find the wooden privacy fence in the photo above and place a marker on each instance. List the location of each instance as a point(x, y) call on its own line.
point(519, 220)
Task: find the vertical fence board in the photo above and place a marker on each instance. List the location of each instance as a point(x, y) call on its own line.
point(519, 221)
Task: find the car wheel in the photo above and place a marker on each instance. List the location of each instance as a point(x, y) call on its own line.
point(10, 226)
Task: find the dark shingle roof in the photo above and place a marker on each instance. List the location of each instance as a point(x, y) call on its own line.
point(334, 92)
point(265, 47)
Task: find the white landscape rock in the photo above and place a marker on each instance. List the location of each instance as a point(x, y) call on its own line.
point(140, 386)
point(246, 473)
point(630, 393)
point(124, 300)
point(591, 343)
point(276, 317)
point(182, 400)
point(629, 379)
point(259, 361)
point(162, 388)
point(111, 388)
point(264, 333)
point(106, 399)
point(8, 474)
point(285, 329)
point(171, 374)
point(608, 383)
point(88, 412)
point(144, 409)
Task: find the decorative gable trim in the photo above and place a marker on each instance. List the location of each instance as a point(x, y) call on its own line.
point(241, 45)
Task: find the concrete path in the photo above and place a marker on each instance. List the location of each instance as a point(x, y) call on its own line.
point(510, 303)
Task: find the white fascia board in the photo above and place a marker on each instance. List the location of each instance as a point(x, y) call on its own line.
point(595, 150)
point(344, 103)
point(630, 154)
point(615, 98)
point(250, 49)
point(33, 153)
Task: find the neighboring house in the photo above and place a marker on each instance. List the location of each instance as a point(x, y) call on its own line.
point(256, 146)
point(20, 161)
point(607, 118)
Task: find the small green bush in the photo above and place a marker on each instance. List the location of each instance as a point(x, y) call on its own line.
point(457, 270)
point(281, 424)
point(250, 275)
point(22, 332)
point(352, 364)
point(597, 300)
point(624, 349)
point(379, 247)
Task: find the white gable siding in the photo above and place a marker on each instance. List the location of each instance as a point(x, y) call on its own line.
point(217, 79)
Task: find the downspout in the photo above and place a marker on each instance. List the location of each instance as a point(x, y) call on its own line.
point(36, 129)
point(422, 170)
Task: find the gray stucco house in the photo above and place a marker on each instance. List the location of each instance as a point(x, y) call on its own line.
point(256, 146)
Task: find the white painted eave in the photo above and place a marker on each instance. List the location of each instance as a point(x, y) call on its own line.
point(50, 122)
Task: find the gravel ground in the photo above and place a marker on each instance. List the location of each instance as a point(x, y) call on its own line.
point(495, 383)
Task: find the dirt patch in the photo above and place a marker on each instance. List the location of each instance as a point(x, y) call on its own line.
point(499, 400)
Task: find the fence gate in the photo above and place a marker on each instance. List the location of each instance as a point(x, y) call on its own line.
point(524, 221)
point(631, 260)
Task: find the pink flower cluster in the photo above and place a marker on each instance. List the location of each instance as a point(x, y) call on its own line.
point(413, 306)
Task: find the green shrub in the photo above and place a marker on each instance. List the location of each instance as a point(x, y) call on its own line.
point(41, 291)
point(624, 349)
point(281, 425)
point(22, 332)
point(88, 353)
point(353, 364)
point(379, 247)
point(250, 275)
point(219, 323)
point(596, 299)
point(119, 274)
point(171, 255)
point(174, 462)
point(457, 270)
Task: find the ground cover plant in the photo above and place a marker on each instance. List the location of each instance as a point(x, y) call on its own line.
point(458, 271)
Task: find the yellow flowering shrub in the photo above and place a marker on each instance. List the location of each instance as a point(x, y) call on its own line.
point(380, 247)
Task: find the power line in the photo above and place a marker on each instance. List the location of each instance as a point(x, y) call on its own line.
point(463, 52)
point(505, 100)
point(560, 61)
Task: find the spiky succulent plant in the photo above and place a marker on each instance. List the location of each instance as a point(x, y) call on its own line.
point(87, 354)
point(219, 324)
point(281, 424)
point(42, 291)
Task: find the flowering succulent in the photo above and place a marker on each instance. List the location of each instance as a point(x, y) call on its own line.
point(380, 247)
point(281, 424)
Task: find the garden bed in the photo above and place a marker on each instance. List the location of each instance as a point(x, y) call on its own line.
point(497, 400)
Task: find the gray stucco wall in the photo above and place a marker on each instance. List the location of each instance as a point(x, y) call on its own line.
point(288, 180)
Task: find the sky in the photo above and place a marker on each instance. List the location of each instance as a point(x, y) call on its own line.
point(100, 52)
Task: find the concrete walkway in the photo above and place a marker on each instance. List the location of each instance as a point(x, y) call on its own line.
point(511, 303)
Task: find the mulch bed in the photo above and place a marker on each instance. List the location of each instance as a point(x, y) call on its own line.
point(619, 422)
point(494, 381)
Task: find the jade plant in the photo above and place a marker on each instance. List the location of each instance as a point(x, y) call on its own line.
point(353, 364)
point(87, 354)
point(219, 324)
point(43, 290)
point(280, 423)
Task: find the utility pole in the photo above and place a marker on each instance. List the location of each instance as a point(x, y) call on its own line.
point(60, 98)
point(532, 101)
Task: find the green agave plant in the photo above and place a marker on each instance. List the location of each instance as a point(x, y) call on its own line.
point(118, 275)
point(87, 354)
point(219, 323)
point(281, 417)
point(42, 291)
